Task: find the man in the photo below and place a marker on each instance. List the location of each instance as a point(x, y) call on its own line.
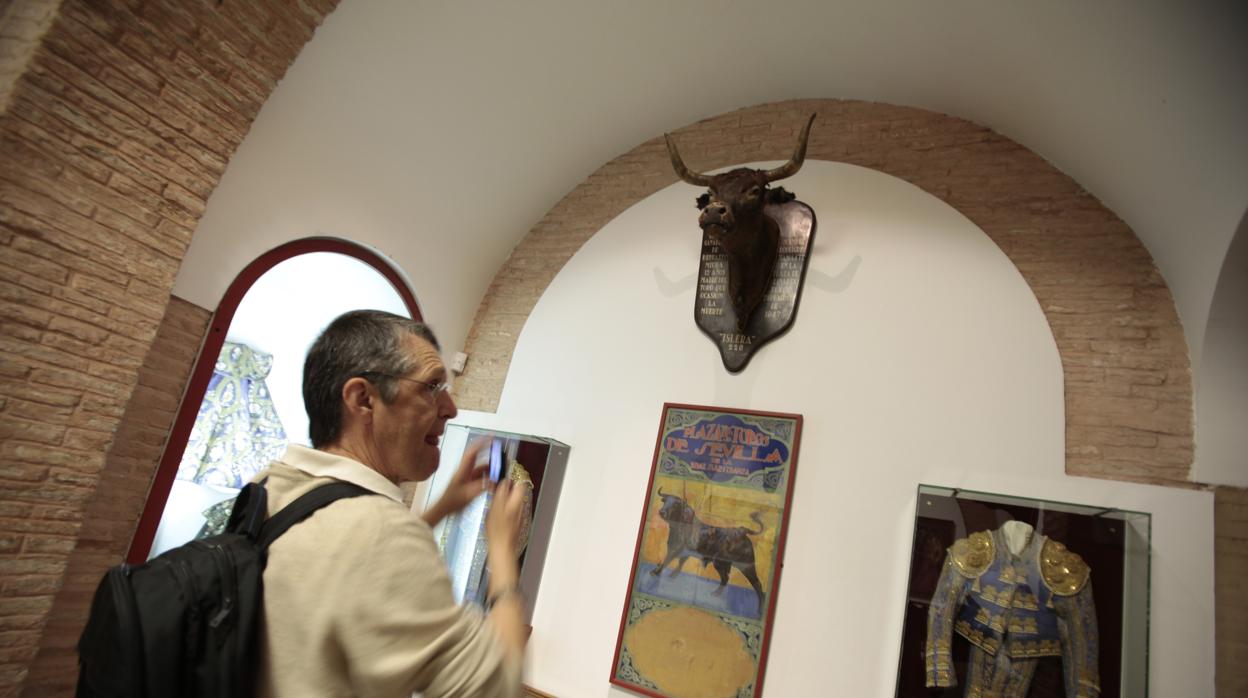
point(357, 601)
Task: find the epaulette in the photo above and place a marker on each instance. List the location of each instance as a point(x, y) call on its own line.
point(1064, 572)
point(972, 555)
point(519, 476)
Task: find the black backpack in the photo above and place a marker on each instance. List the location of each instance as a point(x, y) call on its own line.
point(184, 623)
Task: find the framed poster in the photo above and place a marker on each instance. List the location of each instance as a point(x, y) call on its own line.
point(702, 592)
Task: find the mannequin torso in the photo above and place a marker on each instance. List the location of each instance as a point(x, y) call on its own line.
point(1016, 535)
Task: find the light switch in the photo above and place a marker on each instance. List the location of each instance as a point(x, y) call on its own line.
point(458, 362)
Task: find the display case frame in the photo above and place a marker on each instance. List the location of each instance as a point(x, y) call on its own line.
point(461, 536)
point(1114, 543)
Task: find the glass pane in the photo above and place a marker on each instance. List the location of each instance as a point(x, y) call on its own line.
point(1035, 597)
point(535, 462)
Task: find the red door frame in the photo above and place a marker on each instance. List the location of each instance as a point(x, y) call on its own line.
point(167, 471)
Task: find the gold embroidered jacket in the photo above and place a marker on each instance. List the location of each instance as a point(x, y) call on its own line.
point(1036, 604)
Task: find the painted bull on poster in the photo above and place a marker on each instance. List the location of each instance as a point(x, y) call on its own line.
point(732, 216)
point(722, 547)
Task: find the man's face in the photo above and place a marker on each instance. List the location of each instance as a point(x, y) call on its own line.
point(407, 429)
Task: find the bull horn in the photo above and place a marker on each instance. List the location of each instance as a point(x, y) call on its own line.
point(661, 492)
point(694, 178)
point(792, 166)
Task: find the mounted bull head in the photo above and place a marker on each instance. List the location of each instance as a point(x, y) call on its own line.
point(732, 215)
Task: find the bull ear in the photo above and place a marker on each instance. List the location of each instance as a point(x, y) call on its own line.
point(799, 156)
point(704, 201)
point(780, 195)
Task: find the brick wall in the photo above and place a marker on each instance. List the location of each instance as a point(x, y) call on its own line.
point(117, 126)
point(1230, 525)
point(113, 511)
point(1128, 383)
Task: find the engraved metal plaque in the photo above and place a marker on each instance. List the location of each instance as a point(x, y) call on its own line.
point(713, 310)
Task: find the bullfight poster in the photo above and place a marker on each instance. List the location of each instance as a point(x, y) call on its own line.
point(702, 593)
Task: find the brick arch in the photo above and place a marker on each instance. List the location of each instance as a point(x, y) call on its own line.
point(117, 125)
point(1127, 371)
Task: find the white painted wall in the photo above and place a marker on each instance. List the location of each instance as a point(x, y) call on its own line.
point(1222, 391)
point(919, 355)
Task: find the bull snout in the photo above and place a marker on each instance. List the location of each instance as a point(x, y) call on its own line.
point(716, 213)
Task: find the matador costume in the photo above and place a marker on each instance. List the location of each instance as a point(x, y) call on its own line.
point(1013, 609)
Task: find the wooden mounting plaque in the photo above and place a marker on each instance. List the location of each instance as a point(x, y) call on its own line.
point(713, 312)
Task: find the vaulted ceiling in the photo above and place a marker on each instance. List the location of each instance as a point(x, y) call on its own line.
point(440, 132)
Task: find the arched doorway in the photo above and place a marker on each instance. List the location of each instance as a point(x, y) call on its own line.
point(245, 384)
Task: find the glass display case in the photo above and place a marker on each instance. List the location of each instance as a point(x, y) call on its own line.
point(1014, 596)
point(534, 461)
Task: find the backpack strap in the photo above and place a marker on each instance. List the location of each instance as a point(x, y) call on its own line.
point(305, 506)
point(250, 508)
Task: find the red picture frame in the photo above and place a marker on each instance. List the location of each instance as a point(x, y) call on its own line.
point(719, 494)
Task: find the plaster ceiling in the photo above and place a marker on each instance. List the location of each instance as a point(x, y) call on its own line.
point(439, 133)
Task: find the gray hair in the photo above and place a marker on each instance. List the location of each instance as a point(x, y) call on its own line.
point(355, 343)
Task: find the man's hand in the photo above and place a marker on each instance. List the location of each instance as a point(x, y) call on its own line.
point(468, 482)
point(502, 523)
point(502, 532)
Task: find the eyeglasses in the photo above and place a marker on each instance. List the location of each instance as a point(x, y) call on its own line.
point(434, 389)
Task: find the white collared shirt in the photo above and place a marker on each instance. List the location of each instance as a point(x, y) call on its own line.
point(322, 464)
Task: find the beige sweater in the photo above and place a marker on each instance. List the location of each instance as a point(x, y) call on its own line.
point(357, 601)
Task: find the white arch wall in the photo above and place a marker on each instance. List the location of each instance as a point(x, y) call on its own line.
point(1222, 391)
point(919, 355)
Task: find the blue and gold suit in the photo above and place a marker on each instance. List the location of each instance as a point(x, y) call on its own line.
point(1013, 609)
